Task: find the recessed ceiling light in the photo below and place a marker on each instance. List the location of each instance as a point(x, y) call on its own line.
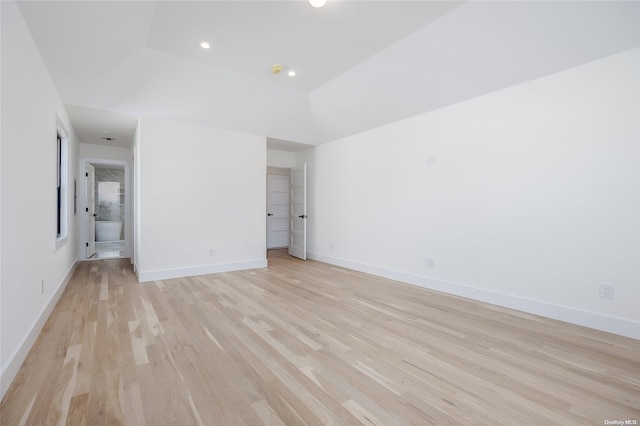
point(317, 3)
point(205, 45)
point(291, 73)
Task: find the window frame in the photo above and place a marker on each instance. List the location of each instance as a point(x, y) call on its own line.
point(61, 184)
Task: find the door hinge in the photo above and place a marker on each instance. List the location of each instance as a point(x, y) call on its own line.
point(86, 209)
point(86, 174)
point(87, 244)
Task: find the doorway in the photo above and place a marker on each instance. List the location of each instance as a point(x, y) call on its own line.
point(106, 207)
point(287, 210)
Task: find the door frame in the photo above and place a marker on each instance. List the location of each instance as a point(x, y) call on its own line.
point(128, 202)
point(90, 213)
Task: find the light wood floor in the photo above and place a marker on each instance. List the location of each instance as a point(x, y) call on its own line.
point(308, 343)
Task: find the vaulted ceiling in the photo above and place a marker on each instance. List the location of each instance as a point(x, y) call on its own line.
point(358, 64)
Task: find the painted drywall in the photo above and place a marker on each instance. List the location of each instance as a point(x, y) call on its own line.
point(527, 197)
point(278, 158)
point(201, 200)
point(34, 268)
point(473, 50)
point(88, 150)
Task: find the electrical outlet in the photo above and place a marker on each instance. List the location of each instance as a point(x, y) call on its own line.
point(606, 291)
point(212, 252)
point(429, 262)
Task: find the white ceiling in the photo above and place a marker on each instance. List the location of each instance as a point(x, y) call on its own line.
point(248, 37)
point(92, 126)
point(359, 64)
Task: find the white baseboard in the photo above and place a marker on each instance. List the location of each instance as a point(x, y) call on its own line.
point(18, 357)
point(166, 274)
point(593, 320)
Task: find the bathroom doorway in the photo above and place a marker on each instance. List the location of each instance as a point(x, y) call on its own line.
point(106, 209)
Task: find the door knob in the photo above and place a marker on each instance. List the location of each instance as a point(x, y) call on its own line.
point(303, 216)
point(269, 214)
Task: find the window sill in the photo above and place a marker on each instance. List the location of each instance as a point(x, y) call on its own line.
point(61, 241)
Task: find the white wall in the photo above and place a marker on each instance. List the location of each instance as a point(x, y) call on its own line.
point(278, 158)
point(527, 197)
point(200, 189)
point(106, 152)
point(30, 109)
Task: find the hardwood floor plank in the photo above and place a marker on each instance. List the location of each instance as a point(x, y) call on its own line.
point(66, 384)
point(133, 410)
point(78, 410)
point(309, 343)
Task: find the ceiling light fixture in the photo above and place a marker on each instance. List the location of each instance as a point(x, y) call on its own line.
point(277, 69)
point(291, 73)
point(205, 45)
point(317, 3)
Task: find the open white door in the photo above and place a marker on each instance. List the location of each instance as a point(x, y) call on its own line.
point(298, 229)
point(91, 210)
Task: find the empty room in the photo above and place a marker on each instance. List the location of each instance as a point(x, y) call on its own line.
point(315, 212)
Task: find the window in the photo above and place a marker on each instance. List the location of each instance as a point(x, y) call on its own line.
point(59, 184)
point(62, 172)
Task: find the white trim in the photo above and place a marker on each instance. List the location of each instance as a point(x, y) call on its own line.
point(12, 367)
point(61, 241)
point(61, 130)
point(166, 274)
point(620, 326)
